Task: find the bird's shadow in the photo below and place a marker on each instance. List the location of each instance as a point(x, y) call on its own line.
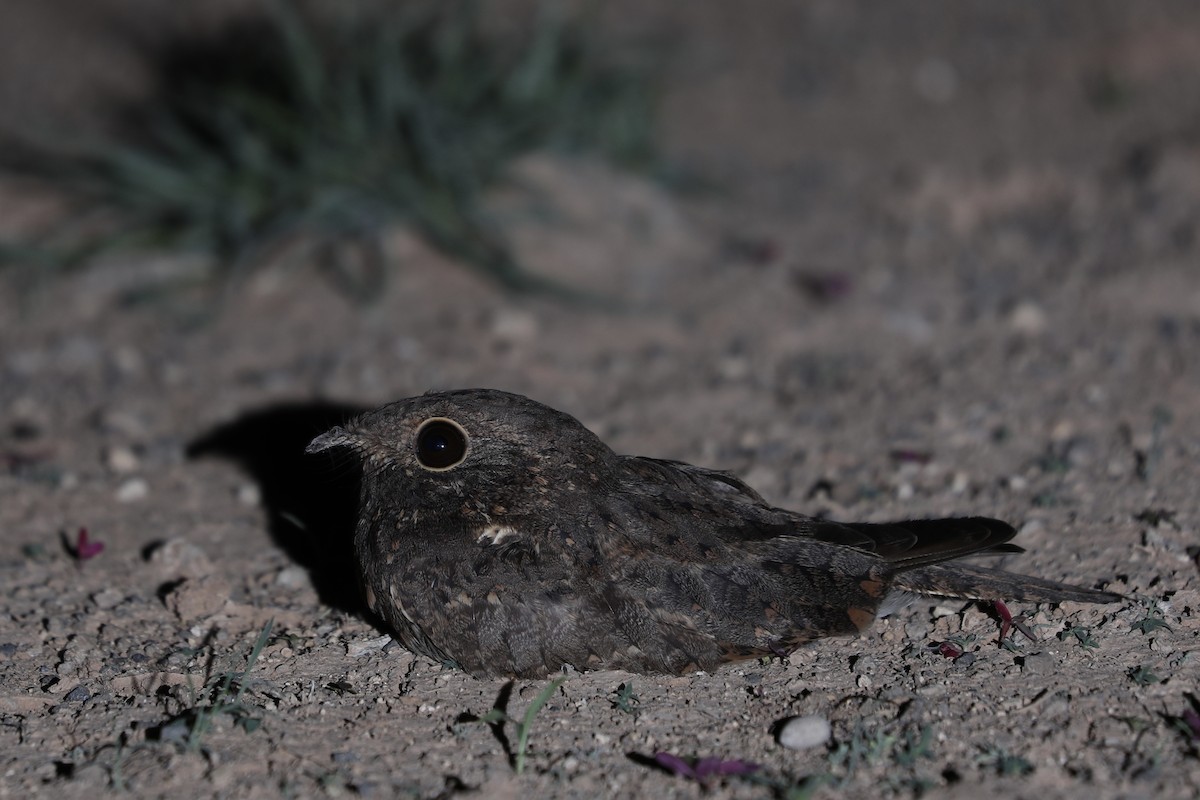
point(311, 500)
point(496, 719)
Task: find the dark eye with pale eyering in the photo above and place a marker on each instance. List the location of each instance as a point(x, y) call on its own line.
point(441, 443)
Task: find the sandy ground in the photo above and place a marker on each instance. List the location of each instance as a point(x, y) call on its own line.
point(948, 265)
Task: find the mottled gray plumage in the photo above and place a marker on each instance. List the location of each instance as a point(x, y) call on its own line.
point(503, 536)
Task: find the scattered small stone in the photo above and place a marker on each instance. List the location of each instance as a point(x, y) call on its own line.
point(122, 460)
point(132, 490)
point(1028, 318)
point(179, 557)
point(147, 684)
point(249, 495)
point(863, 665)
point(916, 630)
point(122, 423)
point(293, 577)
point(107, 598)
point(805, 733)
point(177, 731)
point(965, 660)
point(1039, 664)
point(944, 610)
point(128, 360)
point(364, 646)
point(78, 695)
point(196, 598)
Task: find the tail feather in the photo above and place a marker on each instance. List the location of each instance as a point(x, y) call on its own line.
point(972, 582)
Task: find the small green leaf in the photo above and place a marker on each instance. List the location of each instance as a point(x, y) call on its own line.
point(495, 716)
point(1144, 676)
point(1152, 624)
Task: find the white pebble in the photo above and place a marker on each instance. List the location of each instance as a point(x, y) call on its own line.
point(292, 577)
point(132, 490)
point(122, 460)
point(249, 495)
point(805, 733)
point(1028, 317)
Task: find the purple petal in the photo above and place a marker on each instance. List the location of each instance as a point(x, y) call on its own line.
point(85, 548)
point(736, 767)
point(948, 649)
point(907, 456)
point(674, 764)
point(824, 286)
point(705, 768)
point(1192, 720)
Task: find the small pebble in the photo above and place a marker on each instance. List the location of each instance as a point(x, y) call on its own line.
point(805, 733)
point(249, 495)
point(107, 598)
point(122, 460)
point(198, 598)
point(78, 695)
point(123, 424)
point(293, 577)
point(132, 490)
point(128, 360)
point(1038, 664)
point(362, 647)
point(1028, 318)
point(181, 558)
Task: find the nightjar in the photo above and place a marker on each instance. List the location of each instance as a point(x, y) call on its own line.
point(504, 537)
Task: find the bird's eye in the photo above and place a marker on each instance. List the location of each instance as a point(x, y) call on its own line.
point(441, 444)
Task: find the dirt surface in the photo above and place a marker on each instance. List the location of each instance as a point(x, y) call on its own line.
point(946, 264)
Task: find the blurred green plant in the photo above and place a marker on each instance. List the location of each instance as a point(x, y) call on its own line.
point(295, 127)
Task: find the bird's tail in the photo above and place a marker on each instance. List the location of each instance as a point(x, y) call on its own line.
point(970, 582)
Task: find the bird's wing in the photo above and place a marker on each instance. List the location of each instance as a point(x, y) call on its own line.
point(916, 543)
point(719, 504)
point(662, 476)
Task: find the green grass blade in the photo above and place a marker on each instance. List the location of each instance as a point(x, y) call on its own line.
point(527, 721)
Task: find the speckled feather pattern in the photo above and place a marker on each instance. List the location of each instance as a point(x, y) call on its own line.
point(542, 548)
